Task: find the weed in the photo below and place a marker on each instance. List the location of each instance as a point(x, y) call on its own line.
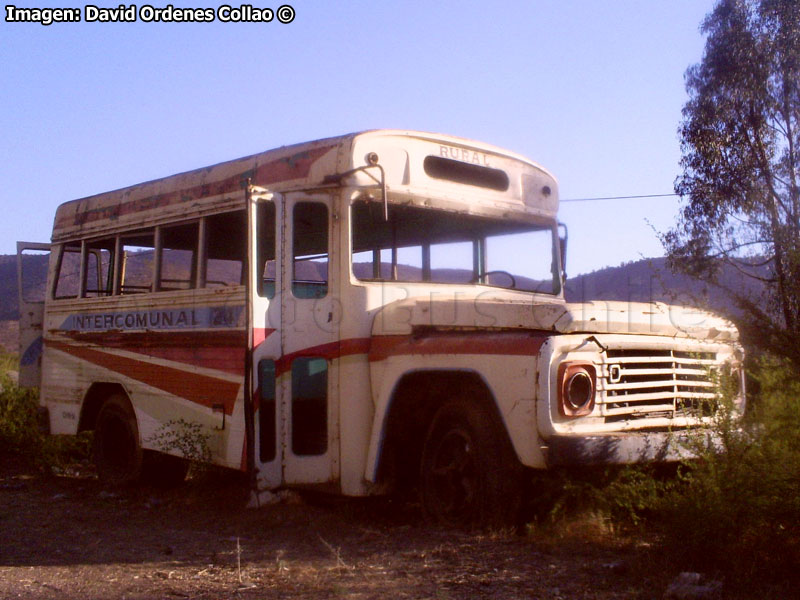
point(20, 431)
point(185, 439)
point(8, 362)
point(737, 508)
point(734, 509)
point(19, 422)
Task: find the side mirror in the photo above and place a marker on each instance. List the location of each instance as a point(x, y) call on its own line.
point(562, 244)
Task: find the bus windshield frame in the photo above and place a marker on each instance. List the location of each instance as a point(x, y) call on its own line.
point(431, 245)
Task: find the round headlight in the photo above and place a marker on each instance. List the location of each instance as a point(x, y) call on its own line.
point(580, 390)
point(576, 388)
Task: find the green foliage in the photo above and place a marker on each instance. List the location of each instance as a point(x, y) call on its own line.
point(737, 508)
point(733, 510)
point(20, 434)
point(631, 494)
point(19, 425)
point(740, 142)
point(621, 496)
point(8, 362)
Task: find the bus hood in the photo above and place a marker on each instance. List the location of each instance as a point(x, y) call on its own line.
point(643, 318)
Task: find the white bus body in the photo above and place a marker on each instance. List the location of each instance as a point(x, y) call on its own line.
point(383, 308)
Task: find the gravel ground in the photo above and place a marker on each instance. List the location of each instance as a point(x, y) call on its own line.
point(66, 537)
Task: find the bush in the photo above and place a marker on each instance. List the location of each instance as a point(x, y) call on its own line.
point(20, 435)
point(19, 428)
point(8, 362)
point(591, 504)
point(736, 510)
point(733, 511)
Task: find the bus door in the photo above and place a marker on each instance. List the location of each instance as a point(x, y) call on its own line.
point(32, 263)
point(295, 335)
point(265, 214)
point(309, 337)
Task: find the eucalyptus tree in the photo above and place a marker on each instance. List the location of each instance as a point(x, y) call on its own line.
point(740, 143)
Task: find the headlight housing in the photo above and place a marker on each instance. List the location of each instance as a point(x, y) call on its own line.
point(576, 389)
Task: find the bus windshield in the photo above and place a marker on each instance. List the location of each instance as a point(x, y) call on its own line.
point(437, 246)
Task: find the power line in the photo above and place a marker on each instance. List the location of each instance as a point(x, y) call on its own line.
point(618, 197)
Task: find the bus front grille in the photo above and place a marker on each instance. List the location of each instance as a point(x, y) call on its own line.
point(657, 383)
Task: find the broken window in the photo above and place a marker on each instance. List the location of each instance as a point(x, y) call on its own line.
point(178, 257)
point(68, 271)
point(138, 262)
point(437, 246)
point(99, 268)
point(266, 249)
point(309, 406)
point(310, 250)
point(34, 264)
point(267, 422)
point(452, 262)
point(226, 249)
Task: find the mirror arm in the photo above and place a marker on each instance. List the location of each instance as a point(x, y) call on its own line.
point(373, 163)
point(562, 240)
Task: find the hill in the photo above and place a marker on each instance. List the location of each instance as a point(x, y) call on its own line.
point(651, 280)
point(35, 269)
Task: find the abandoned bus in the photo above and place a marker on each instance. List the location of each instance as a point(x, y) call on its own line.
point(377, 310)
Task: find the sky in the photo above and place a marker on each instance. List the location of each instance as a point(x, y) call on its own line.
point(590, 90)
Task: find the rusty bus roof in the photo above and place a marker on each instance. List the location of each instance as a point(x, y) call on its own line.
point(220, 187)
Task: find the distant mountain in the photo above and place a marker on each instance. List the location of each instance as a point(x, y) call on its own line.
point(35, 270)
point(650, 280)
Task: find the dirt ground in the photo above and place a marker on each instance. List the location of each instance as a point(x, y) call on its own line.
point(66, 537)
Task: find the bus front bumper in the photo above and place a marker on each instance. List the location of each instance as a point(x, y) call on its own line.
point(626, 447)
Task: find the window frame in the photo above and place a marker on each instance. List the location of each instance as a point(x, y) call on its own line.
point(479, 250)
point(112, 280)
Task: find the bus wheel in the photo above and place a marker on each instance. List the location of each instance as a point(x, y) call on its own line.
point(470, 476)
point(117, 452)
point(163, 470)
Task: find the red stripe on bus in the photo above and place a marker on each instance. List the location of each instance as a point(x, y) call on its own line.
point(195, 387)
point(207, 390)
point(228, 359)
point(260, 334)
point(288, 167)
point(382, 347)
point(441, 342)
point(330, 351)
point(223, 350)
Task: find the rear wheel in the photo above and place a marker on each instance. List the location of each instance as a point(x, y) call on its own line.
point(469, 475)
point(117, 451)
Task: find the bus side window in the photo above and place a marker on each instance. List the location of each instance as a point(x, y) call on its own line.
point(68, 272)
point(138, 254)
point(310, 250)
point(309, 406)
point(178, 257)
point(99, 267)
point(267, 421)
point(226, 249)
point(266, 249)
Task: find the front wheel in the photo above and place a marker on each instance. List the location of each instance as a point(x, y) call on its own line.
point(469, 475)
point(117, 451)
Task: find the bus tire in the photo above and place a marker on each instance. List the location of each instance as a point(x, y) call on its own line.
point(469, 474)
point(117, 452)
point(163, 470)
